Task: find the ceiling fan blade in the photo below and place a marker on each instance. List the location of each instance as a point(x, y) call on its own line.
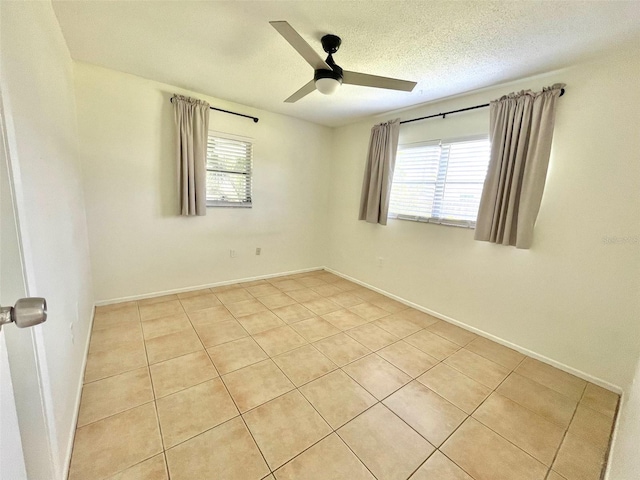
point(306, 90)
point(366, 80)
point(301, 46)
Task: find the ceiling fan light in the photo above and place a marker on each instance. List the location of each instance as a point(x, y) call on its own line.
point(327, 86)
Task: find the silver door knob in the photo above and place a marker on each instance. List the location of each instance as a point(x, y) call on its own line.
point(27, 312)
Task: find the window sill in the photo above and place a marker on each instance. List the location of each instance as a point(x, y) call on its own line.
point(229, 205)
point(437, 221)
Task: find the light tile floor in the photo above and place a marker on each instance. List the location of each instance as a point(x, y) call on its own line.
point(313, 377)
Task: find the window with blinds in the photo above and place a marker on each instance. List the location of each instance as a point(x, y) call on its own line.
point(440, 182)
point(228, 172)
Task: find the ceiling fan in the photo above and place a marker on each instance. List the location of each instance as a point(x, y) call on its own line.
point(329, 76)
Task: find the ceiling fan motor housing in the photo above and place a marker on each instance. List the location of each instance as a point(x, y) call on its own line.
point(335, 74)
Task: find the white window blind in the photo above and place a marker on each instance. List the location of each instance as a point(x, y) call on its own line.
point(440, 182)
point(228, 172)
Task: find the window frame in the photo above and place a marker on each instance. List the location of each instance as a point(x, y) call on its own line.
point(248, 173)
point(438, 184)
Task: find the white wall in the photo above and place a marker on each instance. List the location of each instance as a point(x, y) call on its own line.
point(39, 104)
point(624, 462)
point(139, 243)
point(571, 297)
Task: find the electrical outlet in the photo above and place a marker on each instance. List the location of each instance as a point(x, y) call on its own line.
point(380, 262)
point(232, 253)
point(258, 251)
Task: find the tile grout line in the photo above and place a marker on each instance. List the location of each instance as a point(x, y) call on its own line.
point(425, 461)
point(349, 446)
point(201, 433)
point(452, 461)
point(116, 374)
point(566, 431)
point(527, 408)
point(116, 413)
point(153, 393)
point(609, 444)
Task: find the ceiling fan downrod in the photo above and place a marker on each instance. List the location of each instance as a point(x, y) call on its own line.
point(330, 44)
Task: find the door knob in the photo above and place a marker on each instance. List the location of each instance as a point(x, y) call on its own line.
point(27, 312)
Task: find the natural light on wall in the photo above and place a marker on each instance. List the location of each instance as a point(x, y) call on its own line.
point(440, 181)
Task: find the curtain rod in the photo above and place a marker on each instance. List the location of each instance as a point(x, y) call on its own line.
point(444, 114)
point(255, 119)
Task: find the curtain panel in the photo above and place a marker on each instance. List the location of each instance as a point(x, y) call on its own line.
point(378, 175)
point(192, 127)
point(521, 131)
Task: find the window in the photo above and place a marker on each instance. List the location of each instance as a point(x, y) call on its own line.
point(228, 172)
point(440, 182)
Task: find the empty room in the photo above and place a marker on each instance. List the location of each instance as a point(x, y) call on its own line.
point(319, 240)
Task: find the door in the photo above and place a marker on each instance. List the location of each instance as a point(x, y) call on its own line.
point(25, 445)
point(11, 456)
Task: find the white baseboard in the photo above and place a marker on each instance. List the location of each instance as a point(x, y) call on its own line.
point(482, 333)
point(76, 408)
point(208, 285)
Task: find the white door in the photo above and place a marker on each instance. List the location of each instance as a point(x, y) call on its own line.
point(25, 446)
point(11, 456)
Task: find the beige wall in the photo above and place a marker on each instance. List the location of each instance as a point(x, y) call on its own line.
point(624, 462)
point(572, 297)
point(39, 105)
point(139, 243)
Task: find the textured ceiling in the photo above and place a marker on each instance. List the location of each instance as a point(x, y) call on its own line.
point(227, 49)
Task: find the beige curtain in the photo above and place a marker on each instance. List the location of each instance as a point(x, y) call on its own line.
point(192, 123)
point(376, 187)
point(521, 131)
